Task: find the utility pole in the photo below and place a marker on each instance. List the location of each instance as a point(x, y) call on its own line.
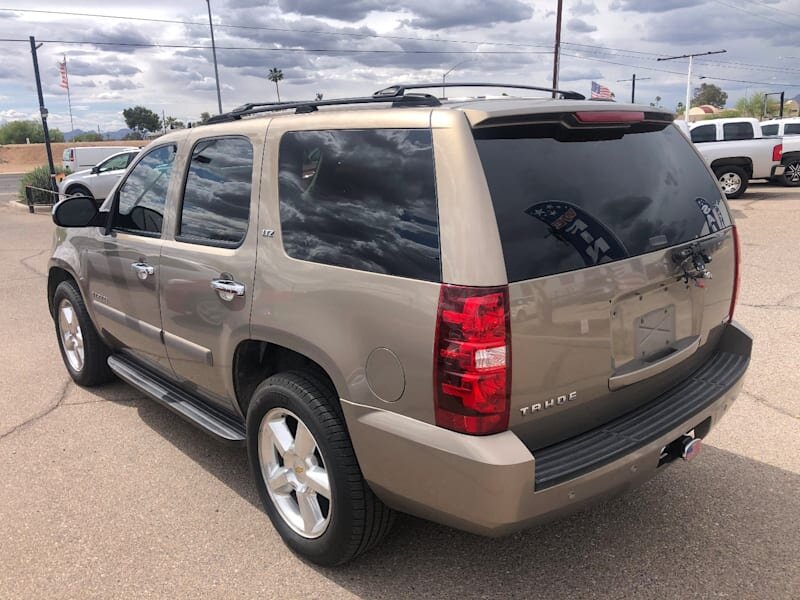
point(214, 52)
point(557, 49)
point(689, 76)
point(633, 85)
point(43, 112)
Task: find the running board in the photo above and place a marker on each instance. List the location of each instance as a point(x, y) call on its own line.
point(221, 426)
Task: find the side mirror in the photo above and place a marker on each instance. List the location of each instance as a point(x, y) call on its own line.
point(95, 170)
point(76, 211)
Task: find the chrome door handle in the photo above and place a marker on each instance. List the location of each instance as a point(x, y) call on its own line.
point(227, 288)
point(143, 270)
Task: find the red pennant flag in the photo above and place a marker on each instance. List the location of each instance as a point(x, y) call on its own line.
point(62, 69)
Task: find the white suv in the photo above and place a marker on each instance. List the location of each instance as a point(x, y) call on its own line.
point(98, 181)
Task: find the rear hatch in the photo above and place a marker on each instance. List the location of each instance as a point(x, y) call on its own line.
point(620, 259)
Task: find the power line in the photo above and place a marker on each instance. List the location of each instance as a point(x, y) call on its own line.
point(273, 49)
point(754, 14)
point(769, 6)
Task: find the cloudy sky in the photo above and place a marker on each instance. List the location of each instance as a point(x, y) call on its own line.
point(354, 47)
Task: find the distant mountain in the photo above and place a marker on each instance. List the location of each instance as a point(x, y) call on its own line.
point(119, 134)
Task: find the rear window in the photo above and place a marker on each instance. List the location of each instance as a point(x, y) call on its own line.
point(363, 199)
point(769, 129)
point(591, 198)
point(737, 131)
point(791, 129)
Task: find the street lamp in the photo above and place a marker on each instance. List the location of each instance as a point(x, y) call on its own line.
point(214, 52)
point(444, 76)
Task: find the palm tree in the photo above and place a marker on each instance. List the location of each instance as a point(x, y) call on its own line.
point(276, 75)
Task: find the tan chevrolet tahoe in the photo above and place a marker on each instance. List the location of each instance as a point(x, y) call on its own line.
point(483, 312)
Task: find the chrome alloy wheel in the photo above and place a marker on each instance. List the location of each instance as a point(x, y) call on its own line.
point(730, 182)
point(294, 472)
point(71, 335)
point(792, 173)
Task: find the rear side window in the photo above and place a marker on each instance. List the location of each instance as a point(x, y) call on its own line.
point(769, 129)
point(593, 197)
point(737, 131)
point(216, 197)
point(791, 129)
point(362, 199)
point(704, 133)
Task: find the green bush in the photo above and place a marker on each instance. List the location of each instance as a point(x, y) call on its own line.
point(40, 178)
point(88, 137)
point(18, 132)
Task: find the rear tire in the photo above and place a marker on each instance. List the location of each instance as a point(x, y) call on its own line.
point(294, 430)
point(85, 355)
point(791, 177)
point(79, 190)
point(733, 180)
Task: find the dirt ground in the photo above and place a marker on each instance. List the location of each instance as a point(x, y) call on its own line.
point(21, 158)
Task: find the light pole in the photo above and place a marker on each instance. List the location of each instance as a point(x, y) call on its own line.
point(214, 52)
point(689, 76)
point(446, 73)
point(557, 47)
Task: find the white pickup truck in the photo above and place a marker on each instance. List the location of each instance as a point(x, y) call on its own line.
point(789, 129)
point(737, 152)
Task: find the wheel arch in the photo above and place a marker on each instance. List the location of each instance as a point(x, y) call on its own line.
point(256, 359)
point(55, 276)
point(738, 161)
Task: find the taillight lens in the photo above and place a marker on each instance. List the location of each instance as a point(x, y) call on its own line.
point(737, 257)
point(777, 152)
point(72, 154)
point(472, 362)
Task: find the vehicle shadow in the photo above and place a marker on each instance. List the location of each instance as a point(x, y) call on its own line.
point(699, 530)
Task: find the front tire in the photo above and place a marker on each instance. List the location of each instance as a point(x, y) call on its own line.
point(79, 190)
point(733, 180)
point(307, 474)
point(791, 177)
point(84, 353)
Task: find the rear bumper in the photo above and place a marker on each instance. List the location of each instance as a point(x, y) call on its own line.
point(778, 170)
point(491, 485)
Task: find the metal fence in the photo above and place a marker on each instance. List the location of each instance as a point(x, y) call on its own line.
point(29, 192)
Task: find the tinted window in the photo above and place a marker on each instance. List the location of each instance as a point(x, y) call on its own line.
point(769, 129)
point(363, 199)
point(791, 129)
point(142, 195)
point(737, 131)
point(216, 198)
point(704, 133)
point(591, 198)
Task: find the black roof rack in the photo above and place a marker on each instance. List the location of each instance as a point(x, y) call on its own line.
point(396, 94)
point(400, 90)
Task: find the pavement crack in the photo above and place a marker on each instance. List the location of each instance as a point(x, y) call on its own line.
point(23, 262)
point(768, 404)
point(41, 414)
point(771, 306)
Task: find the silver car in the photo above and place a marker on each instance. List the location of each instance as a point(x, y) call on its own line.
point(98, 181)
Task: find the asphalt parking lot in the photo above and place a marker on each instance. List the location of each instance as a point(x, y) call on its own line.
point(107, 494)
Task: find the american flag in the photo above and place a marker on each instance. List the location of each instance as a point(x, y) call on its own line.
point(601, 91)
point(62, 69)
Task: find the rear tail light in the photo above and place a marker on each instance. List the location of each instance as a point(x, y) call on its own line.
point(472, 361)
point(737, 258)
point(610, 116)
point(71, 154)
point(777, 152)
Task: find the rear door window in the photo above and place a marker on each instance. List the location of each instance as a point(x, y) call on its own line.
point(769, 129)
point(591, 198)
point(216, 196)
point(362, 199)
point(737, 131)
point(704, 133)
point(791, 129)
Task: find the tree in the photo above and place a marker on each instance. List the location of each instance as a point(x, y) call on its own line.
point(173, 123)
point(276, 75)
point(91, 136)
point(140, 118)
point(204, 117)
point(20, 132)
point(753, 106)
point(708, 93)
point(657, 102)
point(318, 96)
point(679, 109)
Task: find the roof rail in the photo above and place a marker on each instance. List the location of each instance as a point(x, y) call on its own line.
point(309, 106)
point(398, 91)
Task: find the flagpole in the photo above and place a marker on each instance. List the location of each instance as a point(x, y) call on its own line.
point(69, 96)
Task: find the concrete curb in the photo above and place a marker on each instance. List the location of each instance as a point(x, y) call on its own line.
point(39, 209)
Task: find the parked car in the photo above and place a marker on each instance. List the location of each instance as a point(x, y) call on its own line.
point(98, 181)
point(789, 129)
point(485, 340)
point(737, 152)
point(78, 158)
